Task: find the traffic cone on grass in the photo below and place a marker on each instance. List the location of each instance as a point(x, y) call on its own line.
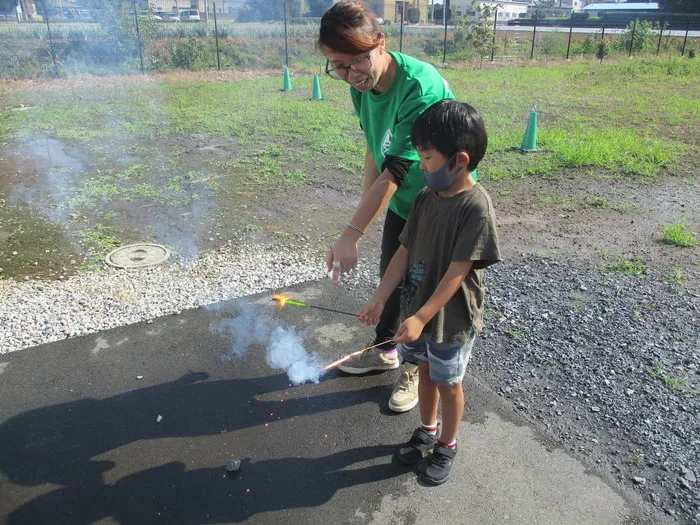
point(316, 91)
point(529, 144)
point(287, 85)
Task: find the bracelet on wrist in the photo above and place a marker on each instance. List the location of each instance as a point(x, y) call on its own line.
point(353, 227)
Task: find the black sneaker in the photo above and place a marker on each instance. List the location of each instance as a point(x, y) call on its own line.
point(439, 465)
point(413, 451)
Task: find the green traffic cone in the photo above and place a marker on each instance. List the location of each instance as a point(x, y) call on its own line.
point(316, 92)
point(530, 139)
point(287, 86)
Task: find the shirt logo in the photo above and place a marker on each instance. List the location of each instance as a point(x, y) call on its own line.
point(386, 142)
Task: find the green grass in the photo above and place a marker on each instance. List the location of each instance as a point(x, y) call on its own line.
point(513, 332)
point(598, 202)
point(174, 143)
point(677, 277)
point(633, 266)
point(677, 234)
point(674, 384)
point(100, 239)
point(625, 207)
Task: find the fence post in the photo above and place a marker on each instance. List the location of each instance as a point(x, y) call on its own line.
point(602, 23)
point(403, 6)
point(216, 37)
point(138, 35)
point(687, 27)
point(571, 30)
point(493, 42)
point(661, 33)
point(286, 49)
point(444, 43)
point(534, 33)
point(634, 27)
point(48, 27)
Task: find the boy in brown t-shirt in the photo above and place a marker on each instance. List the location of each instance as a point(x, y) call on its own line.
point(449, 239)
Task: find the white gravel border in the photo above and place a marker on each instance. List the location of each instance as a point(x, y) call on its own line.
point(37, 312)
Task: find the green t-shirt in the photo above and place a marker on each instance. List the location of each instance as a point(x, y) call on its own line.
point(387, 118)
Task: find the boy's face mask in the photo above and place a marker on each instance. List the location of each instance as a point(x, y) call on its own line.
point(440, 180)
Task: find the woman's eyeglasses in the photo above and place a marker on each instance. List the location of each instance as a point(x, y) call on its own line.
point(360, 65)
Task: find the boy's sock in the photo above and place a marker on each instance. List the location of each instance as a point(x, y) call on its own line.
point(391, 353)
point(429, 429)
point(447, 445)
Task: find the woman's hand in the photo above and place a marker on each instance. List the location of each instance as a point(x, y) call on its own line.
point(372, 310)
point(409, 331)
point(342, 257)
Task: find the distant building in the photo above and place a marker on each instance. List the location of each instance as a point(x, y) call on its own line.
point(507, 9)
point(599, 9)
point(390, 10)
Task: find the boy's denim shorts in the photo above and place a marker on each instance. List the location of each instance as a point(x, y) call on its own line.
point(447, 361)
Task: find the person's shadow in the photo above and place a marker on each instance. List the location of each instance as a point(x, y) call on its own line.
point(170, 494)
point(55, 444)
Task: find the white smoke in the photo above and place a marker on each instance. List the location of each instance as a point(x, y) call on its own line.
point(286, 352)
point(252, 326)
point(285, 347)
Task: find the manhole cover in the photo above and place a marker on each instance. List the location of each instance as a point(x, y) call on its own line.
point(137, 256)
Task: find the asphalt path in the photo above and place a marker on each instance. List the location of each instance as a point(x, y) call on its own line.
point(82, 440)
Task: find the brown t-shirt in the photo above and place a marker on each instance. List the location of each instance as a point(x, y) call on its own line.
point(441, 230)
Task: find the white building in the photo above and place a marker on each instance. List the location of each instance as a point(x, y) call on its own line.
point(507, 9)
point(599, 9)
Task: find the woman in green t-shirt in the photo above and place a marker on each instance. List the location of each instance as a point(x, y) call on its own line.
point(388, 90)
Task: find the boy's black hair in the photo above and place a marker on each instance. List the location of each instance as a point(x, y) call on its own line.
point(450, 126)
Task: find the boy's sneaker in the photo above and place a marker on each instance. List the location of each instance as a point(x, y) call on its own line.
point(439, 465)
point(405, 394)
point(369, 361)
point(412, 452)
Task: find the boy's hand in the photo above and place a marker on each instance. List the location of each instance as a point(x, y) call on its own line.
point(371, 311)
point(409, 331)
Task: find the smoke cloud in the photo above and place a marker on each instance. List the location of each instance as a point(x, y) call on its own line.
point(286, 352)
point(285, 346)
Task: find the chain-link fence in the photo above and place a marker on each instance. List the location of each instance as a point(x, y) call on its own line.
point(133, 43)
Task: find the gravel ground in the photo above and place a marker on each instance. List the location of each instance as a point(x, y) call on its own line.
point(608, 364)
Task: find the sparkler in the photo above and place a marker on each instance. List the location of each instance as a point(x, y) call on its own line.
point(343, 359)
point(283, 300)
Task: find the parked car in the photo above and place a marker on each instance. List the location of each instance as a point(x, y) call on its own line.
point(150, 16)
point(189, 15)
point(167, 17)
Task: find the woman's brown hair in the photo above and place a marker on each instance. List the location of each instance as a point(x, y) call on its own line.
point(349, 27)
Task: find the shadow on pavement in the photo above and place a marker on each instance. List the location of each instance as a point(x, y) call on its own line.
point(56, 444)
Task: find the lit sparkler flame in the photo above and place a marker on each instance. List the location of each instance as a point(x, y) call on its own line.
point(281, 299)
point(345, 358)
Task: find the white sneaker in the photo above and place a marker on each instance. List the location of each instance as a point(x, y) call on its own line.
point(368, 361)
point(405, 394)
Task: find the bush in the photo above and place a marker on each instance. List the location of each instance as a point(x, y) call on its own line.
point(643, 37)
point(188, 55)
point(602, 50)
point(590, 44)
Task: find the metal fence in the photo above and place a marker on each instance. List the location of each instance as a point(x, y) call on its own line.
point(141, 45)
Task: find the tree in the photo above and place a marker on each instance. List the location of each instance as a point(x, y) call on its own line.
point(318, 7)
point(480, 33)
point(261, 10)
point(679, 6)
point(7, 5)
point(643, 37)
point(602, 50)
